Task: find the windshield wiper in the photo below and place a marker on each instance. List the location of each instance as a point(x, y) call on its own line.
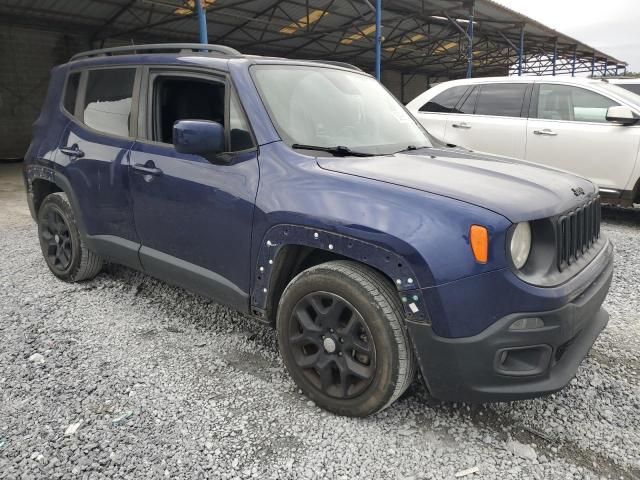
point(411, 148)
point(338, 151)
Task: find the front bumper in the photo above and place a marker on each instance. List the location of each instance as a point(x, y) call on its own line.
point(499, 364)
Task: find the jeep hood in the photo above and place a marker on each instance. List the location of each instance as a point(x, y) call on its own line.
point(515, 189)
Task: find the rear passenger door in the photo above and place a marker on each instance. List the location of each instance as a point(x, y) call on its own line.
point(492, 119)
point(569, 130)
point(194, 216)
point(93, 157)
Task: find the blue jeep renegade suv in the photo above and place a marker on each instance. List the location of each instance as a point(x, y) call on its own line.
point(305, 194)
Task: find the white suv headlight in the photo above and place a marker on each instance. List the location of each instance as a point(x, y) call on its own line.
point(520, 244)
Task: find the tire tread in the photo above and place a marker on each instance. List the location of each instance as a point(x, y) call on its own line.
point(387, 299)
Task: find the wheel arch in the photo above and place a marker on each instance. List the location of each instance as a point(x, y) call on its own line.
point(43, 181)
point(287, 250)
point(41, 189)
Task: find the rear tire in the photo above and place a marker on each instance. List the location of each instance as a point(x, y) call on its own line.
point(342, 338)
point(67, 256)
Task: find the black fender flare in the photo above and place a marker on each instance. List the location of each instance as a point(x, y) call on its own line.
point(391, 264)
point(39, 172)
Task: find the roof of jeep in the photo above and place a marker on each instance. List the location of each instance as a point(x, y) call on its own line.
point(214, 56)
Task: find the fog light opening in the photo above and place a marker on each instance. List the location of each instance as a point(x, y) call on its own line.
point(528, 323)
point(523, 361)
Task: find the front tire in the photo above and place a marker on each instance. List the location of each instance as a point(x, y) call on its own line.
point(66, 254)
point(342, 339)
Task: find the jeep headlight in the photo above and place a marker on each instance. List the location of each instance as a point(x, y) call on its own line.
point(520, 246)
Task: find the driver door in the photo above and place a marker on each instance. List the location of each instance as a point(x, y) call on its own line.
point(568, 130)
point(194, 216)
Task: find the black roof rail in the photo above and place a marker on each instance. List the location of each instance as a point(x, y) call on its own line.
point(338, 64)
point(158, 48)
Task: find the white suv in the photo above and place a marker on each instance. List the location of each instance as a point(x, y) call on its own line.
point(589, 127)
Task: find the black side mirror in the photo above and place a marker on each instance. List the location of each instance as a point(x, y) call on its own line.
point(622, 114)
point(200, 137)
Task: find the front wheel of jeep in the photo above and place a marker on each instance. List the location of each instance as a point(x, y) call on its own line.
point(342, 339)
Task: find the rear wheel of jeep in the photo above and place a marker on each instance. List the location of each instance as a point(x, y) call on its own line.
point(342, 340)
point(62, 247)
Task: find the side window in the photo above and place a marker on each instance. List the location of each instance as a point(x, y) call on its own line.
point(446, 101)
point(501, 99)
point(573, 104)
point(184, 98)
point(469, 104)
point(71, 92)
point(107, 102)
point(239, 131)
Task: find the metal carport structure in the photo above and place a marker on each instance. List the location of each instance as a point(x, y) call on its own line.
point(422, 41)
point(441, 38)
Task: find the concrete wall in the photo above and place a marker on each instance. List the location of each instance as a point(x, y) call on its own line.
point(413, 85)
point(26, 57)
point(407, 86)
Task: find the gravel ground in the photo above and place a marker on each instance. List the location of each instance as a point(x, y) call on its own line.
point(127, 377)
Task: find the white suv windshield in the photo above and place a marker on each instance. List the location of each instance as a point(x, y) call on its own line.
point(325, 107)
point(627, 95)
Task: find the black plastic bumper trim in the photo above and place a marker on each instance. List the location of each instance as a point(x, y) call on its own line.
point(464, 369)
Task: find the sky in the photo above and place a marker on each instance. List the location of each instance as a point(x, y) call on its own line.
point(611, 26)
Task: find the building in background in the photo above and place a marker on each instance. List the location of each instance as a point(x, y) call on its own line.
point(423, 41)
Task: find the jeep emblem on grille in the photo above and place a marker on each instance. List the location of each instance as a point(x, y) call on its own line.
point(577, 191)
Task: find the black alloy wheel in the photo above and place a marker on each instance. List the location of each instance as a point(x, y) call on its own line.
point(57, 238)
point(342, 338)
point(332, 345)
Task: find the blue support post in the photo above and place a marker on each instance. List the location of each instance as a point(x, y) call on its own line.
point(555, 57)
point(573, 62)
point(593, 64)
point(378, 38)
point(202, 22)
point(521, 52)
point(470, 48)
point(606, 64)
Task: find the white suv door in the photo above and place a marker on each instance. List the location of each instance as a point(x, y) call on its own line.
point(492, 119)
point(568, 130)
point(433, 113)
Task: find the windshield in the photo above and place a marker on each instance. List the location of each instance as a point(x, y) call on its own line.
point(623, 93)
point(325, 107)
point(632, 87)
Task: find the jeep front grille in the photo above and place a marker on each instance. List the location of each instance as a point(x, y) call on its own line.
point(577, 231)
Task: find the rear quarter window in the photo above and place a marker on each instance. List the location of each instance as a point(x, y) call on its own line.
point(445, 102)
point(107, 102)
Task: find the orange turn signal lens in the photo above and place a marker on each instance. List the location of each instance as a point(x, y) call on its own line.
point(479, 241)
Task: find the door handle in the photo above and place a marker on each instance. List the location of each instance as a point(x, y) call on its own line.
point(151, 170)
point(545, 132)
point(72, 151)
point(462, 125)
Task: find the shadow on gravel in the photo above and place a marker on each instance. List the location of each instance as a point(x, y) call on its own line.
point(622, 216)
point(547, 442)
point(187, 308)
point(502, 427)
